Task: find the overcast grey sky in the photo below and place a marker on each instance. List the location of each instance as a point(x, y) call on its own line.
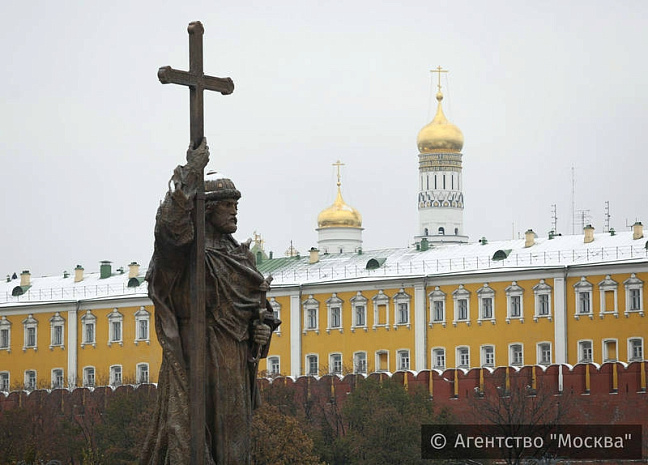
point(89, 137)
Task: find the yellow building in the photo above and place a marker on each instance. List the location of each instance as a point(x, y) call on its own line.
point(77, 330)
point(443, 303)
point(561, 299)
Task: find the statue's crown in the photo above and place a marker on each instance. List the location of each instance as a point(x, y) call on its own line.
point(219, 187)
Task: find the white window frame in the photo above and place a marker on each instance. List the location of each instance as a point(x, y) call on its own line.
point(378, 365)
point(436, 351)
point(88, 319)
point(486, 294)
point(5, 381)
point(335, 363)
point(30, 323)
point(542, 289)
point(333, 306)
point(5, 325)
point(403, 360)
point(514, 292)
point(270, 365)
point(540, 348)
point(276, 313)
point(630, 284)
point(631, 341)
point(116, 375)
point(459, 294)
point(608, 285)
point(358, 304)
point(582, 347)
point(86, 380)
point(484, 355)
point(360, 362)
point(308, 366)
point(400, 299)
point(142, 316)
point(378, 300)
point(437, 300)
point(57, 323)
point(115, 318)
point(582, 293)
point(139, 372)
point(516, 350)
point(29, 386)
point(459, 352)
point(55, 380)
point(311, 305)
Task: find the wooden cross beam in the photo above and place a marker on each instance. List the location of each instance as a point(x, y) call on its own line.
point(197, 82)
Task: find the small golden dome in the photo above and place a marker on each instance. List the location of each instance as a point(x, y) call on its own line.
point(339, 215)
point(440, 135)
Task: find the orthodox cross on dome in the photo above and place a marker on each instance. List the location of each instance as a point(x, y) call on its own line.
point(338, 164)
point(439, 70)
point(197, 82)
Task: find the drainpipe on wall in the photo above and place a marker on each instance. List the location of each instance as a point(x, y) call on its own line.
point(300, 332)
point(425, 321)
point(560, 370)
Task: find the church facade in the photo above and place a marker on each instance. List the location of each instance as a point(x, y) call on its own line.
point(444, 303)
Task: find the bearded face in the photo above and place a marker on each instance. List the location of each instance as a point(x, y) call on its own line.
point(221, 215)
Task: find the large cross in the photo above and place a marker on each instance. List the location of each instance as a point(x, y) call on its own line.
point(197, 82)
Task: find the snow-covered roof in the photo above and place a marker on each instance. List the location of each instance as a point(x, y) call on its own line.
point(560, 251)
point(62, 288)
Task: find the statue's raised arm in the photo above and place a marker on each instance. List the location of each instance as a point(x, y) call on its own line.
point(173, 225)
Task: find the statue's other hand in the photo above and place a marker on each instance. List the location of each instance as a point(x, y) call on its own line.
point(261, 333)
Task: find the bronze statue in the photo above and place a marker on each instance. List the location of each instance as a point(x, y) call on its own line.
point(239, 321)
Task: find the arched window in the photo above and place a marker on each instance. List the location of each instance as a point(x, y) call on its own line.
point(441, 231)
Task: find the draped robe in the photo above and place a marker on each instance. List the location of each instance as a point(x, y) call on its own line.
point(232, 306)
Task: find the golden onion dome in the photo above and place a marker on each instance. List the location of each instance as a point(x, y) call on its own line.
point(440, 135)
point(339, 215)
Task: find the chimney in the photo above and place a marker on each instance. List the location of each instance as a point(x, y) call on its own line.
point(637, 230)
point(78, 274)
point(105, 270)
point(589, 233)
point(529, 238)
point(25, 278)
point(314, 255)
point(133, 270)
